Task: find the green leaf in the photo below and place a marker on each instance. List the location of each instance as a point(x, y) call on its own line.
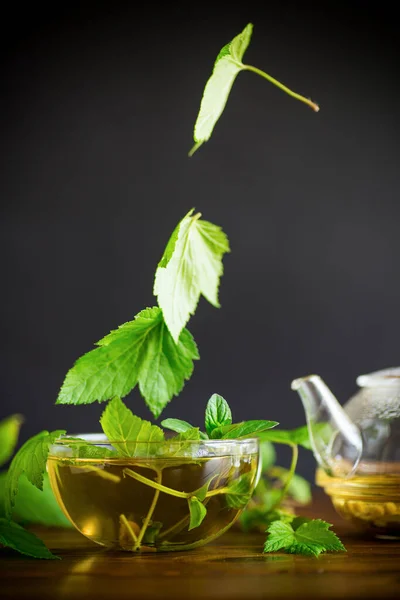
point(139, 352)
point(243, 429)
point(181, 427)
point(216, 92)
point(218, 413)
point(83, 449)
point(176, 425)
point(182, 443)
point(193, 269)
point(192, 434)
point(201, 493)
point(299, 489)
point(33, 506)
point(240, 491)
point(268, 455)
point(30, 459)
point(197, 512)
point(170, 247)
point(302, 536)
point(130, 435)
point(16, 537)
point(295, 436)
point(9, 432)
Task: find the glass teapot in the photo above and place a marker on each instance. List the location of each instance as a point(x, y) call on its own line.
point(357, 448)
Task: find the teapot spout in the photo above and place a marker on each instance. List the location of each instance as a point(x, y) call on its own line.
point(335, 440)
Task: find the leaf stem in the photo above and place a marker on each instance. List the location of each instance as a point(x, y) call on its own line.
point(157, 486)
point(288, 91)
point(150, 511)
point(101, 473)
point(195, 147)
point(125, 521)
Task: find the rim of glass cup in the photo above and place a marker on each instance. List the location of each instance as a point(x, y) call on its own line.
point(99, 439)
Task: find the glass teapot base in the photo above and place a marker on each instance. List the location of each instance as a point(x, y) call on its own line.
point(370, 502)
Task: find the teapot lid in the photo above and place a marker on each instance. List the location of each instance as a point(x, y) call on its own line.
point(384, 377)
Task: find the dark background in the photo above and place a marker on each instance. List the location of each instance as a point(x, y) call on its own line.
point(98, 108)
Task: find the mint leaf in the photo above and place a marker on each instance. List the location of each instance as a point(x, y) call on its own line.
point(197, 512)
point(240, 491)
point(216, 92)
point(194, 268)
point(218, 413)
point(30, 459)
point(295, 436)
point(243, 429)
point(139, 352)
point(9, 432)
point(201, 493)
point(16, 537)
point(302, 536)
point(33, 506)
point(181, 427)
point(176, 425)
point(181, 443)
point(130, 435)
point(83, 449)
point(192, 434)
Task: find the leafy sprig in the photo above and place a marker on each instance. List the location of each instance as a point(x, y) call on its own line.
point(155, 351)
point(309, 537)
point(227, 66)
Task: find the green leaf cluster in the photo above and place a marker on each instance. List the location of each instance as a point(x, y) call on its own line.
point(35, 502)
point(155, 351)
point(218, 423)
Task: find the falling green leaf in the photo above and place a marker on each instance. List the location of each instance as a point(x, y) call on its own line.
point(227, 66)
point(194, 268)
point(141, 351)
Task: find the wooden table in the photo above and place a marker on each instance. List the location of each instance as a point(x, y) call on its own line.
point(232, 567)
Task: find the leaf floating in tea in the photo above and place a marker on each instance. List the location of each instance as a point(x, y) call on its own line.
point(197, 512)
point(239, 491)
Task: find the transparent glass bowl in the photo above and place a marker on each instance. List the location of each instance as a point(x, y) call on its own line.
point(162, 496)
